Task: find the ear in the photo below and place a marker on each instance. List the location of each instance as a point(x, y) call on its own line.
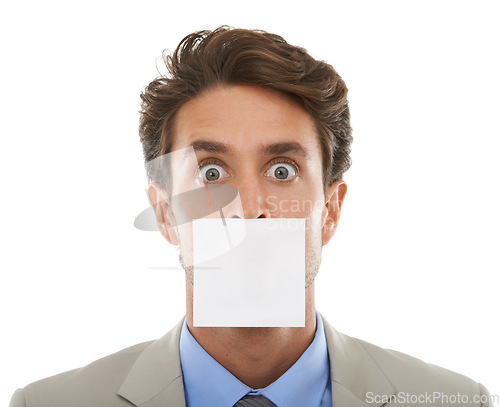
point(163, 212)
point(334, 198)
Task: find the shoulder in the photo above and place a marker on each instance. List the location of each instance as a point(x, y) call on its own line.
point(129, 377)
point(100, 378)
point(373, 373)
point(410, 373)
point(426, 383)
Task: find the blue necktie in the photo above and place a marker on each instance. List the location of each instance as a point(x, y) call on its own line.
point(254, 401)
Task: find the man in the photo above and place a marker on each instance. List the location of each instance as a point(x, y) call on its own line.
point(261, 116)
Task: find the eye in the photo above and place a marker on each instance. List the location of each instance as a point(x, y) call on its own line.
point(282, 171)
point(212, 172)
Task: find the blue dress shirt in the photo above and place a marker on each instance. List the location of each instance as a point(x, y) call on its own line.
point(208, 384)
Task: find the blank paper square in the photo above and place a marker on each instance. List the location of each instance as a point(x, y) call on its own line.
point(249, 272)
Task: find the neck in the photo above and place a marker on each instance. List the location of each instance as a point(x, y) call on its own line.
point(256, 356)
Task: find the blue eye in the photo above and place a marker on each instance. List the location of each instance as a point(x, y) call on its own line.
point(212, 172)
point(282, 171)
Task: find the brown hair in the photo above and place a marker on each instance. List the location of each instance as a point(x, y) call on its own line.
point(205, 59)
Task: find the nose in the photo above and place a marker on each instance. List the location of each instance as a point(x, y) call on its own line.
point(250, 202)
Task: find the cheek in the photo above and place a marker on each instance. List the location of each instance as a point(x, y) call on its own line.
point(295, 203)
point(185, 235)
point(314, 220)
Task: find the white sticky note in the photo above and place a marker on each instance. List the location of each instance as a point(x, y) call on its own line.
point(249, 272)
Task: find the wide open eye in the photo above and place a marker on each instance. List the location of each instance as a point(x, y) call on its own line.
point(212, 172)
point(282, 171)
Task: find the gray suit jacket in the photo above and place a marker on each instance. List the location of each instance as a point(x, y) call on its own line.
point(149, 375)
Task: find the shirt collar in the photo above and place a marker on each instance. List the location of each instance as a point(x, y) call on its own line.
point(206, 382)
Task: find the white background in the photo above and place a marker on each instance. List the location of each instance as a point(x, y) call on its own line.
point(414, 266)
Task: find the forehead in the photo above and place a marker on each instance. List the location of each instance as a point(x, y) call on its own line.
point(246, 119)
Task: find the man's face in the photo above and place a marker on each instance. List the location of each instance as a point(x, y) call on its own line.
point(267, 147)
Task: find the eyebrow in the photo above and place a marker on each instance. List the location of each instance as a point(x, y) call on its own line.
point(211, 147)
point(218, 147)
point(284, 148)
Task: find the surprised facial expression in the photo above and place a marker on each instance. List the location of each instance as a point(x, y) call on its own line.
point(266, 146)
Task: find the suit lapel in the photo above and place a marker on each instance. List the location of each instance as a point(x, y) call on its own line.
point(155, 379)
point(353, 372)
